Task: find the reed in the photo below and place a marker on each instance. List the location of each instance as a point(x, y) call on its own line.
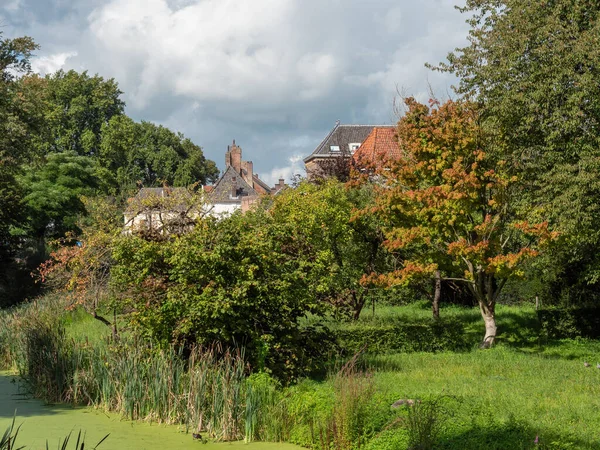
point(205, 392)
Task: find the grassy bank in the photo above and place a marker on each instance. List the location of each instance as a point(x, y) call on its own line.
point(528, 392)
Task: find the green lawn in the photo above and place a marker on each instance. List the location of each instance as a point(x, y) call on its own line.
point(502, 398)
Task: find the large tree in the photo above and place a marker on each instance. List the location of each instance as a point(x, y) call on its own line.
point(148, 154)
point(534, 69)
point(20, 121)
point(447, 202)
point(349, 248)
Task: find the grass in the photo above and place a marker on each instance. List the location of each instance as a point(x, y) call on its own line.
point(553, 397)
point(528, 392)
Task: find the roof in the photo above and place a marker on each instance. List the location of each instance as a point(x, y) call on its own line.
point(223, 189)
point(380, 145)
point(342, 136)
point(261, 183)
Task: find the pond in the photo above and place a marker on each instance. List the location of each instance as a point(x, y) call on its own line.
point(40, 422)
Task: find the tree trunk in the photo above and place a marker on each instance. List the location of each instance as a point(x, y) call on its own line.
point(435, 304)
point(489, 318)
point(358, 301)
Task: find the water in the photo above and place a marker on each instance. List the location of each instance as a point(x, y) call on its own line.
point(40, 422)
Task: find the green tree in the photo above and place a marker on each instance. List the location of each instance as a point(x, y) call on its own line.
point(348, 248)
point(53, 193)
point(534, 67)
point(19, 122)
point(78, 106)
point(144, 153)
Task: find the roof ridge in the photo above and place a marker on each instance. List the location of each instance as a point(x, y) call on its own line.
point(365, 125)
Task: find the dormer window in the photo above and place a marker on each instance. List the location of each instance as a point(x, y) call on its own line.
point(334, 148)
point(353, 146)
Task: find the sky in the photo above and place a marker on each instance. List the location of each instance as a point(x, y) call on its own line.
point(275, 75)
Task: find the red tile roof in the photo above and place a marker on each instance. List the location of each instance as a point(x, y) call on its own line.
point(380, 145)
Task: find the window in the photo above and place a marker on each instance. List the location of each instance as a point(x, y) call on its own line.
point(354, 146)
point(334, 148)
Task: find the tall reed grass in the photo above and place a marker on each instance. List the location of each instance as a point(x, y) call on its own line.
point(205, 391)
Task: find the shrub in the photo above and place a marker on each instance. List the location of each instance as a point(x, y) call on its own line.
point(560, 323)
point(242, 281)
point(426, 336)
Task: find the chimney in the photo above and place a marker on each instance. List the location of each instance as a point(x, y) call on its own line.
point(248, 167)
point(235, 157)
point(233, 187)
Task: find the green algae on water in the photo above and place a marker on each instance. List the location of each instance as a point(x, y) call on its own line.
point(40, 422)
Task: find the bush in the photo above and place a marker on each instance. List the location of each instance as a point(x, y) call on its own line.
point(568, 323)
point(427, 336)
point(241, 281)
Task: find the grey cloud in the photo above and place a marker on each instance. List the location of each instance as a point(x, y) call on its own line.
point(273, 74)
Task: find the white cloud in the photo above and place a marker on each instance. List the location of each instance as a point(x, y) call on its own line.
point(274, 74)
point(13, 5)
point(51, 63)
point(295, 167)
point(228, 50)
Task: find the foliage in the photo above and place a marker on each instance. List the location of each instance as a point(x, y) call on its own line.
point(349, 249)
point(448, 201)
point(19, 120)
point(533, 69)
point(77, 107)
point(398, 336)
point(53, 193)
point(242, 281)
point(563, 323)
point(143, 153)
point(63, 136)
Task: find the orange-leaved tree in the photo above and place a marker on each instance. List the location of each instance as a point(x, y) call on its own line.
point(446, 203)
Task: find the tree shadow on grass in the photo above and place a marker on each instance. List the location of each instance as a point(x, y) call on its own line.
point(511, 436)
point(519, 330)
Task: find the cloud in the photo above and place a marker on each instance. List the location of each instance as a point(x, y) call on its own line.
point(51, 63)
point(273, 74)
point(295, 167)
point(12, 5)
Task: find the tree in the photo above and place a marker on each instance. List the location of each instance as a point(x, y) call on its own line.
point(19, 122)
point(448, 201)
point(78, 106)
point(533, 68)
point(53, 193)
point(348, 249)
point(238, 281)
point(150, 155)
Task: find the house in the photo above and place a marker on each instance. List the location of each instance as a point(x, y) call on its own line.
point(174, 210)
point(337, 147)
point(163, 211)
point(238, 187)
point(380, 146)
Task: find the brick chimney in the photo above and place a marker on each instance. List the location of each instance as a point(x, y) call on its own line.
point(233, 157)
point(279, 186)
point(247, 172)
